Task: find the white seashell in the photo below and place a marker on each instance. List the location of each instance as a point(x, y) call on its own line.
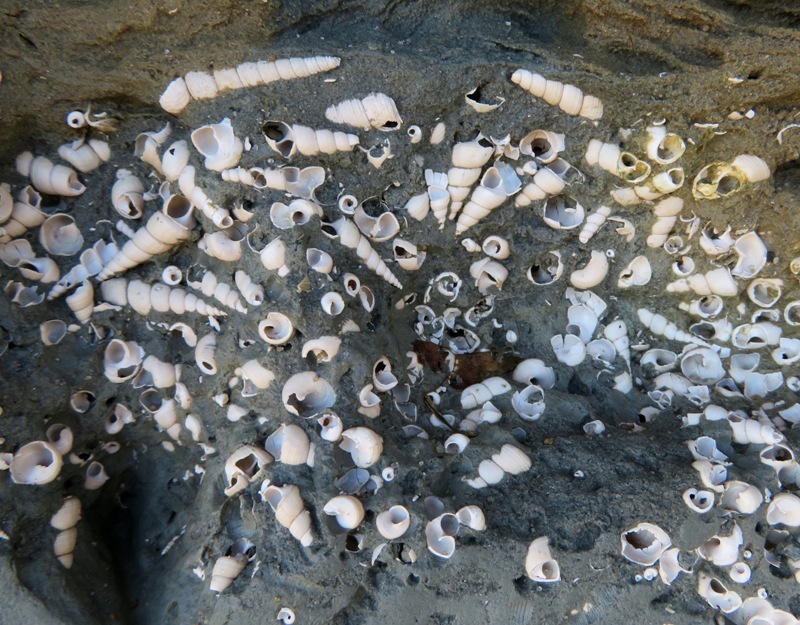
point(276, 329)
point(49, 178)
point(568, 98)
point(199, 199)
point(96, 476)
point(741, 497)
point(601, 351)
point(722, 550)
point(529, 402)
point(306, 394)
point(332, 427)
point(414, 134)
point(660, 360)
point(255, 377)
point(377, 110)
point(437, 133)
point(122, 360)
point(234, 412)
point(663, 147)
point(644, 543)
point(563, 212)
point(438, 195)
point(592, 274)
point(702, 365)
point(534, 371)
point(171, 275)
point(59, 235)
point(393, 523)
point(568, 349)
point(363, 444)
point(348, 510)
point(543, 145)
point(81, 302)
point(25, 214)
point(666, 213)
point(118, 418)
point(332, 303)
point(498, 183)
point(700, 501)
point(581, 321)
point(286, 616)
point(376, 229)
point(440, 535)
point(64, 546)
point(717, 595)
point(38, 462)
point(161, 233)
point(637, 273)
point(722, 179)
point(717, 281)
point(755, 335)
point(539, 563)
point(468, 158)
point(349, 236)
point(455, 443)
point(289, 444)
point(52, 331)
point(669, 567)
point(382, 377)
point(407, 255)
point(547, 271)
point(204, 354)
point(745, 430)
point(549, 180)
point(324, 348)
point(472, 516)
point(752, 255)
point(593, 223)
point(784, 509)
point(611, 158)
point(488, 273)
point(253, 293)
point(765, 292)
point(418, 206)
point(658, 324)
point(226, 569)
point(85, 156)
point(286, 140)
point(59, 435)
point(788, 352)
point(740, 573)
point(713, 476)
point(477, 394)
point(245, 465)
point(289, 510)
point(67, 515)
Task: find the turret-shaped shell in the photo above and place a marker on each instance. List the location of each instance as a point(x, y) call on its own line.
point(653, 188)
point(539, 563)
point(377, 110)
point(287, 504)
point(252, 292)
point(65, 520)
point(223, 292)
point(717, 281)
point(468, 158)
point(658, 324)
point(349, 236)
point(286, 140)
point(85, 156)
point(498, 183)
point(148, 143)
point(81, 302)
point(143, 298)
point(568, 98)
point(49, 178)
point(228, 567)
point(593, 223)
point(200, 200)
point(548, 180)
point(438, 194)
point(25, 214)
point(202, 85)
point(746, 431)
point(289, 444)
point(162, 232)
point(301, 183)
point(219, 145)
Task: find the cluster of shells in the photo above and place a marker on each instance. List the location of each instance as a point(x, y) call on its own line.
point(167, 201)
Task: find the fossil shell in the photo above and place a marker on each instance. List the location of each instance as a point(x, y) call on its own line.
point(60, 236)
point(666, 213)
point(85, 156)
point(289, 444)
point(723, 179)
point(637, 273)
point(289, 510)
point(377, 110)
point(393, 523)
point(539, 563)
point(244, 466)
point(717, 595)
point(611, 158)
point(286, 140)
point(663, 147)
point(497, 183)
point(563, 212)
point(122, 360)
point(348, 510)
point(49, 178)
point(226, 569)
point(306, 394)
point(741, 497)
point(752, 255)
point(722, 550)
point(96, 476)
point(568, 98)
point(331, 427)
point(363, 444)
point(440, 535)
point(276, 329)
point(592, 274)
point(784, 509)
point(644, 543)
point(700, 501)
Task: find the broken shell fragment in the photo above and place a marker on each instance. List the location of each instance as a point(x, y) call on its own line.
point(700, 501)
point(60, 235)
point(244, 466)
point(52, 331)
point(637, 273)
point(664, 147)
point(306, 394)
point(644, 543)
point(723, 179)
point(38, 462)
point(784, 509)
point(363, 444)
point(539, 563)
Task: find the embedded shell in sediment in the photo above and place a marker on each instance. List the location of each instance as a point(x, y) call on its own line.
point(289, 444)
point(348, 510)
point(38, 462)
point(568, 98)
point(644, 543)
point(723, 179)
point(290, 511)
point(394, 522)
point(377, 110)
point(539, 563)
point(363, 444)
point(306, 394)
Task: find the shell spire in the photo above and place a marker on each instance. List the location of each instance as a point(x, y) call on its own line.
point(349, 236)
point(143, 298)
point(568, 98)
point(204, 86)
